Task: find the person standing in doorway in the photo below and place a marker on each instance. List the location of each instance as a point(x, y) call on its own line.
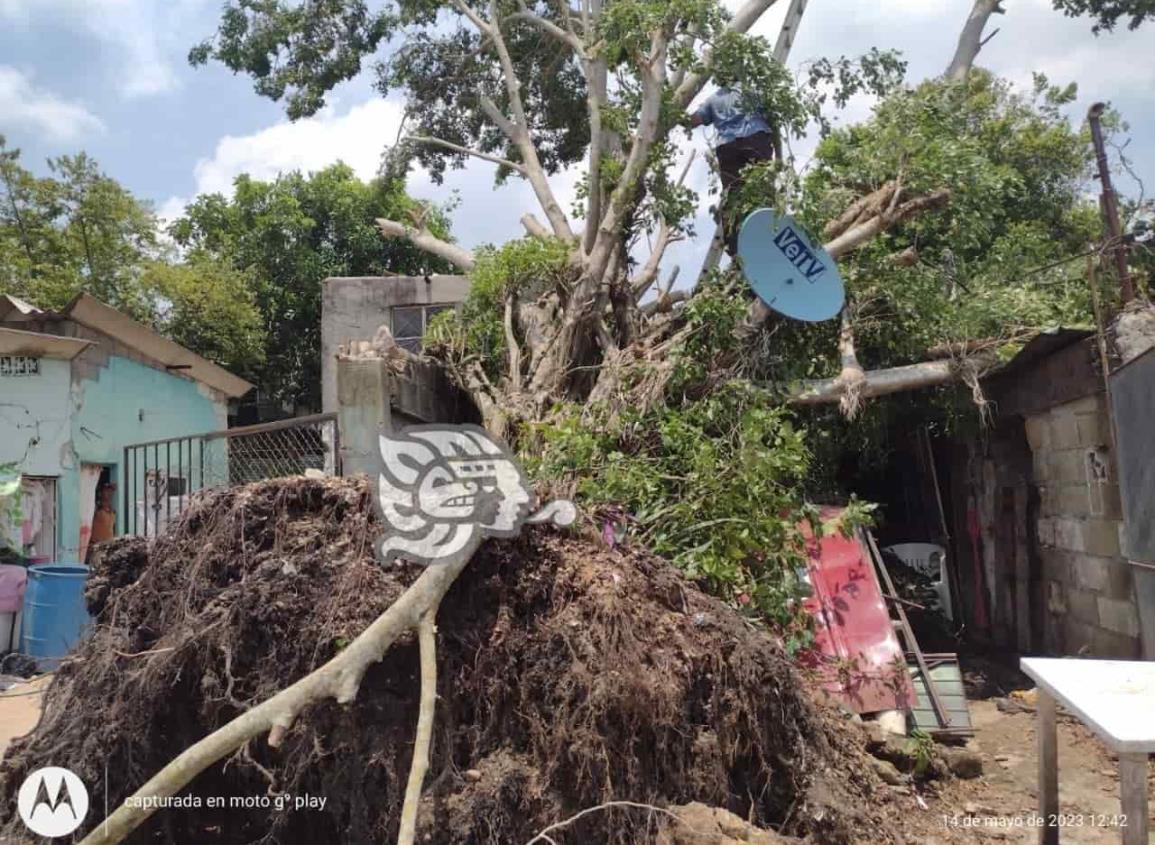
point(746, 135)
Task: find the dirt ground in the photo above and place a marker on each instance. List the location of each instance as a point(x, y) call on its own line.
point(998, 806)
point(20, 709)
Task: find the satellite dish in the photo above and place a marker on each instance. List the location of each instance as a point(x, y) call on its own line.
point(790, 272)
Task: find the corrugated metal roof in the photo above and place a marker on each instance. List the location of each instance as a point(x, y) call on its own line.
point(39, 345)
point(13, 308)
point(93, 313)
point(1041, 345)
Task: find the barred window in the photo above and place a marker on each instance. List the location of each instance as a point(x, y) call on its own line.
point(19, 365)
point(411, 322)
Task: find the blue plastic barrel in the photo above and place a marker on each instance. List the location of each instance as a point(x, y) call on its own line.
point(54, 613)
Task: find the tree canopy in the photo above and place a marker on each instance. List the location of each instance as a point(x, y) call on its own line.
point(286, 236)
point(957, 212)
point(77, 229)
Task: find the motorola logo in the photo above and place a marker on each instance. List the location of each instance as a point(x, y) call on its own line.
point(52, 801)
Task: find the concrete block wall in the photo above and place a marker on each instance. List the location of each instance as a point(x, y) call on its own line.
point(1090, 597)
point(353, 307)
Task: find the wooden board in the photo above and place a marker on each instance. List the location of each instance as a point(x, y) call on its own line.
point(947, 679)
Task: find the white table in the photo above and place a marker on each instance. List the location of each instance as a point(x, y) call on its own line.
point(1115, 699)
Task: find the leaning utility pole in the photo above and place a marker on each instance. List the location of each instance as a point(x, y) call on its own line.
point(781, 51)
point(1109, 203)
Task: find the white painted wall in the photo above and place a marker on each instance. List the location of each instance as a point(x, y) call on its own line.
point(36, 419)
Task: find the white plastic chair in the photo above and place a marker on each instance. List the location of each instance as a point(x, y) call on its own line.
point(929, 559)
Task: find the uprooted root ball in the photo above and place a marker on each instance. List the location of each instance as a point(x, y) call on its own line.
point(569, 675)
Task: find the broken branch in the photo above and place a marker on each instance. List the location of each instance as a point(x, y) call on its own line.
point(422, 238)
point(534, 227)
point(862, 233)
point(890, 380)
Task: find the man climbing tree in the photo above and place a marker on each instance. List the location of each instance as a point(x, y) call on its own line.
point(746, 135)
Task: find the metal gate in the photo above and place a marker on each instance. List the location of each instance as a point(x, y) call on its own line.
point(1133, 408)
point(160, 476)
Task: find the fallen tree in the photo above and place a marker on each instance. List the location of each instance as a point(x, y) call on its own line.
point(558, 324)
point(570, 674)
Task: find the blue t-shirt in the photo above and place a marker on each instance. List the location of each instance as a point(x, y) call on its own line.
point(733, 119)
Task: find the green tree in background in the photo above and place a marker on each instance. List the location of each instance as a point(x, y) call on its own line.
point(207, 305)
point(78, 230)
point(287, 236)
point(75, 229)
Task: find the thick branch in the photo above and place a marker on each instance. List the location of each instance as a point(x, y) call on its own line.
point(891, 380)
point(448, 145)
point(653, 70)
point(970, 41)
point(862, 209)
point(862, 233)
point(338, 679)
point(789, 30)
point(534, 227)
point(427, 643)
point(534, 172)
point(746, 16)
point(597, 81)
point(422, 238)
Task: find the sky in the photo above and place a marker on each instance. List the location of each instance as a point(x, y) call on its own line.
point(111, 77)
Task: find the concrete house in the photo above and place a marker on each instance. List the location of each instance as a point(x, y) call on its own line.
point(77, 387)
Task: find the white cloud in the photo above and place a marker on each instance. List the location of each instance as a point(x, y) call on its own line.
point(24, 104)
point(145, 39)
point(358, 136)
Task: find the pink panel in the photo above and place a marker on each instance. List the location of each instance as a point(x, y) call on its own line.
point(857, 657)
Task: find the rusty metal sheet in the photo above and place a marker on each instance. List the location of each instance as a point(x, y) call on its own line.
point(856, 656)
point(1133, 406)
point(1133, 409)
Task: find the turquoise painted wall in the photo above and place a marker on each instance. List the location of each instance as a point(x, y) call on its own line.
point(128, 403)
point(50, 424)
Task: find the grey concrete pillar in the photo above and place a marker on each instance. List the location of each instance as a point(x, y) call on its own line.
point(364, 386)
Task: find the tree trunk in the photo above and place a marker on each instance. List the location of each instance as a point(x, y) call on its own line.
point(971, 40)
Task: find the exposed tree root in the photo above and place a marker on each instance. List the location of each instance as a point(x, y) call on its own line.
point(338, 679)
point(427, 641)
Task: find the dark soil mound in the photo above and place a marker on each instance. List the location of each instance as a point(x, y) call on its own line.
point(569, 675)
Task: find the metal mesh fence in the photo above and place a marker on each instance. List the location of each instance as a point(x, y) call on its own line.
point(161, 476)
point(276, 453)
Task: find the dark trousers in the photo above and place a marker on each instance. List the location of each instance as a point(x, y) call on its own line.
point(732, 160)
